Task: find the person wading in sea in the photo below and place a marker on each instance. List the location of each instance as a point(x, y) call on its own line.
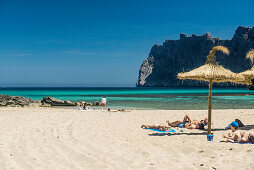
point(103, 102)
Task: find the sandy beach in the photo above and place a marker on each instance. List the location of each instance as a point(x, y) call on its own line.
point(58, 138)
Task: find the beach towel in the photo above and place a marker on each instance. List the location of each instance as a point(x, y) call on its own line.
point(156, 130)
point(242, 143)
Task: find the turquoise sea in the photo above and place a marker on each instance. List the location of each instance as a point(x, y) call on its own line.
point(146, 98)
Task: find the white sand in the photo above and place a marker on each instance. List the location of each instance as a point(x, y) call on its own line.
point(53, 138)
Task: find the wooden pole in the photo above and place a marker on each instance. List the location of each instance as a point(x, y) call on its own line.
point(210, 106)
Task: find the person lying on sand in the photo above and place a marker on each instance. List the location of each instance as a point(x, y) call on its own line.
point(189, 123)
point(238, 136)
point(160, 127)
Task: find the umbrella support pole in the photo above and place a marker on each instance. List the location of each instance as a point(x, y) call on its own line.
point(210, 106)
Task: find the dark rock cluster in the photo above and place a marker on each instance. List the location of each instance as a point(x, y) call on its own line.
point(6, 100)
point(189, 52)
point(51, 101)
point(12, 101)
point(55, 102)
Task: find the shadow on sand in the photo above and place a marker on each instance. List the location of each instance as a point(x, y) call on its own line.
point(171, 134)
point(219, 129)
point(204, 132)
point(247, 127)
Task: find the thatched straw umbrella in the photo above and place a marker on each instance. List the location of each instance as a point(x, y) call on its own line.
point(249, 74)
point(212, 72)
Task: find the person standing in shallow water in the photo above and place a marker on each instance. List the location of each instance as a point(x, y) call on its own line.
point(103, 102)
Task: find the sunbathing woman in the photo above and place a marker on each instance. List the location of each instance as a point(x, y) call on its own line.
point(189, 123)
point(241, 137)
point(155, 126)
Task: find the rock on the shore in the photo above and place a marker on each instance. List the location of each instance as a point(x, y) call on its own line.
point(55, 102)
point(189, 52)
point(6, 100)
point(96, 103)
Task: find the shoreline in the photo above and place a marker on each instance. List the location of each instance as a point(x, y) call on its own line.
point(113, 108)
point(134, 98)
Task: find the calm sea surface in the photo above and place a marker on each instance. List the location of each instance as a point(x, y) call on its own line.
point(146, 98)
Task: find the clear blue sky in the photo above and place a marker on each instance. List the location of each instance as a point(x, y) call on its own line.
point(101, 42)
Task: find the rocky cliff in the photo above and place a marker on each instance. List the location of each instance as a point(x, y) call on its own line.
point(174, 56)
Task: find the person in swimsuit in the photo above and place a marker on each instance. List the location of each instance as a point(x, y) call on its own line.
point(160, 127)
point(188, 123)
point(195, 126)
point(103, 102)
point(238, 136)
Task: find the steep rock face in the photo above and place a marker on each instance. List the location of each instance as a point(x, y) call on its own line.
point(174, 56)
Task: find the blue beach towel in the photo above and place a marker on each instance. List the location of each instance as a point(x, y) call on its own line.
point(242, 143)
point(156, 130)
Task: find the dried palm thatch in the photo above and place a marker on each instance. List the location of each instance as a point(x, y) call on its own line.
point(219, 48)
point(212, 72)
point(249, 74)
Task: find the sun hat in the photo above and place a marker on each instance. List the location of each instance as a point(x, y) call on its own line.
point(234, 124)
